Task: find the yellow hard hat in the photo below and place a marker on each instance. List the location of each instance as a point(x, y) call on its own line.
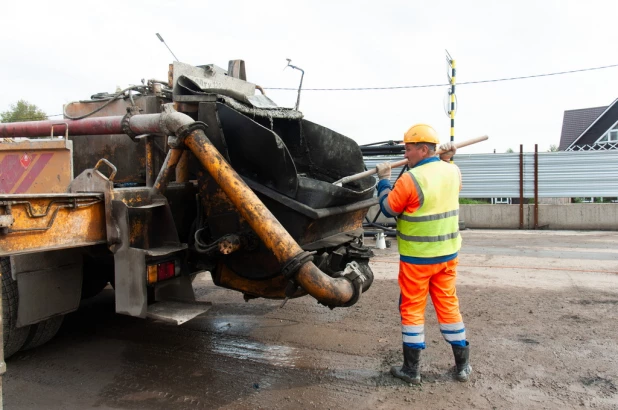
point(421, 133)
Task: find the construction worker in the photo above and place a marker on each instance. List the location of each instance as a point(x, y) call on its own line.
point(425, 201)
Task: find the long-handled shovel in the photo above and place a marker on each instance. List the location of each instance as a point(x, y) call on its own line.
point(363, 174)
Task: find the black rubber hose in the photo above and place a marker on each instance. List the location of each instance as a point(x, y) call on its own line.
point(114, 98)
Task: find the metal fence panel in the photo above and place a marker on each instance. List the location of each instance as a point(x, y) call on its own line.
point(561, 174)
point(578, 174)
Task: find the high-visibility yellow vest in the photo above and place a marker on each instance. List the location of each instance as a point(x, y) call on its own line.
point(433, 230)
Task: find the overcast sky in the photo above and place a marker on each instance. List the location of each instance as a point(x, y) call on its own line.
point(52, 53)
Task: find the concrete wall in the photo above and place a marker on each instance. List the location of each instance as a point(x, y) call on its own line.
point(570, 216)
point(491, 216)
point(603, 217)
point(555, 201)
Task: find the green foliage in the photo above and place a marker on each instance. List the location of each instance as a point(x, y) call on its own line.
point(596, 200)
point(509, 151)
point(468, 201)
point(23, 111)
point(553, 148)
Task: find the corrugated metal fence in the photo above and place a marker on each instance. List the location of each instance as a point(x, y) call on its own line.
point(561, 174)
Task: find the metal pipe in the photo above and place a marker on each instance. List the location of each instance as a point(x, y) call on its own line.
point(169, 165)
point(150, 176)
point(452, 97)
point(182, 169)
point(521, 186)
point(87, 126)
point(536, 186)
point(300, 86)
point(269, 288)
point(327, 290)
point(380, 226)
point(159, 124)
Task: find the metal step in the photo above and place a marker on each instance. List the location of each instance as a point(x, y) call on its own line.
point(165, 250)
point(176, 312)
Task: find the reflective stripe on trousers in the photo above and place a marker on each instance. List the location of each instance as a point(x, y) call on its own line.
point(437, 280)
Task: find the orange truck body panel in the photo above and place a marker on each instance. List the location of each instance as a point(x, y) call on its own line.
point(34, 179)
point(61, 228)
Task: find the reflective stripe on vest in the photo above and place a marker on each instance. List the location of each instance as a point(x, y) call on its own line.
point(433, 230)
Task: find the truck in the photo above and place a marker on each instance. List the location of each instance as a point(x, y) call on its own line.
point(144, 188)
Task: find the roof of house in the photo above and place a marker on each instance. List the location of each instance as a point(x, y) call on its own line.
point(575, 122)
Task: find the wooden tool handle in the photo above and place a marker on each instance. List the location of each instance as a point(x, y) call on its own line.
point(404, 162)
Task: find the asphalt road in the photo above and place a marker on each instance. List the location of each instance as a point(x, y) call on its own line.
point(540, 310)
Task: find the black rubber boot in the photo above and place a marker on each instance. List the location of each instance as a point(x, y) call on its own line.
point(462, 362)
point(410, 371)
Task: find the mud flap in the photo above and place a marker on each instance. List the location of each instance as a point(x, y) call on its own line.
point(133, 293)
point(49, 284)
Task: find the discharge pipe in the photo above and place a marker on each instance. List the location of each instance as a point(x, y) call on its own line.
point(329, 291)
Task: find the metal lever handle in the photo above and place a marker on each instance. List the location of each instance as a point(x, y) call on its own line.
point(110, 165)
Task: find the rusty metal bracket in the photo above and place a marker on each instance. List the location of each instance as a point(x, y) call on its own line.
point(126, 128)
point(50, 223)
point(90, 181)
point(6, 220)
point(359, 252)
point(353, 273)
point(71, 203)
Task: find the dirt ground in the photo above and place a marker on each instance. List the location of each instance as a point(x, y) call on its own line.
point(540, 308)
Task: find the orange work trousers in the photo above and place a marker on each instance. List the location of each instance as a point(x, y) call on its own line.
point(415, 281)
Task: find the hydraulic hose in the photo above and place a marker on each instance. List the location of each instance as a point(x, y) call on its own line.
point(109, 101)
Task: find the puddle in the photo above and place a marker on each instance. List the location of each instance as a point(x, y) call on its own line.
point(280, 356)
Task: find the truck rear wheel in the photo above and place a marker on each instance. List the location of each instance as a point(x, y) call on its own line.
point(42, 332)
point(14, 338)
point(98, 272)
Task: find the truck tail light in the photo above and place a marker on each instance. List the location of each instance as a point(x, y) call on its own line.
point(162, 271)
point(152, 274)
point(165, 270)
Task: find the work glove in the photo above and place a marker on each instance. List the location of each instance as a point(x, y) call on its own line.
point(448, 150)
point(384, 170)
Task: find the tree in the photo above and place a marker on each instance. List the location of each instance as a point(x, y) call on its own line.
point(509, 151)
point(23, 111)
point(553, 148)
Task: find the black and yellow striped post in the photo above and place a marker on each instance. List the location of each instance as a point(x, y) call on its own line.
point(451, 111)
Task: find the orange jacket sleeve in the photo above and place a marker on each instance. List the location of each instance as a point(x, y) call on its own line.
point(404, 196)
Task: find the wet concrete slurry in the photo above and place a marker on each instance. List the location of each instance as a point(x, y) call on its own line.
point(537, 321)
